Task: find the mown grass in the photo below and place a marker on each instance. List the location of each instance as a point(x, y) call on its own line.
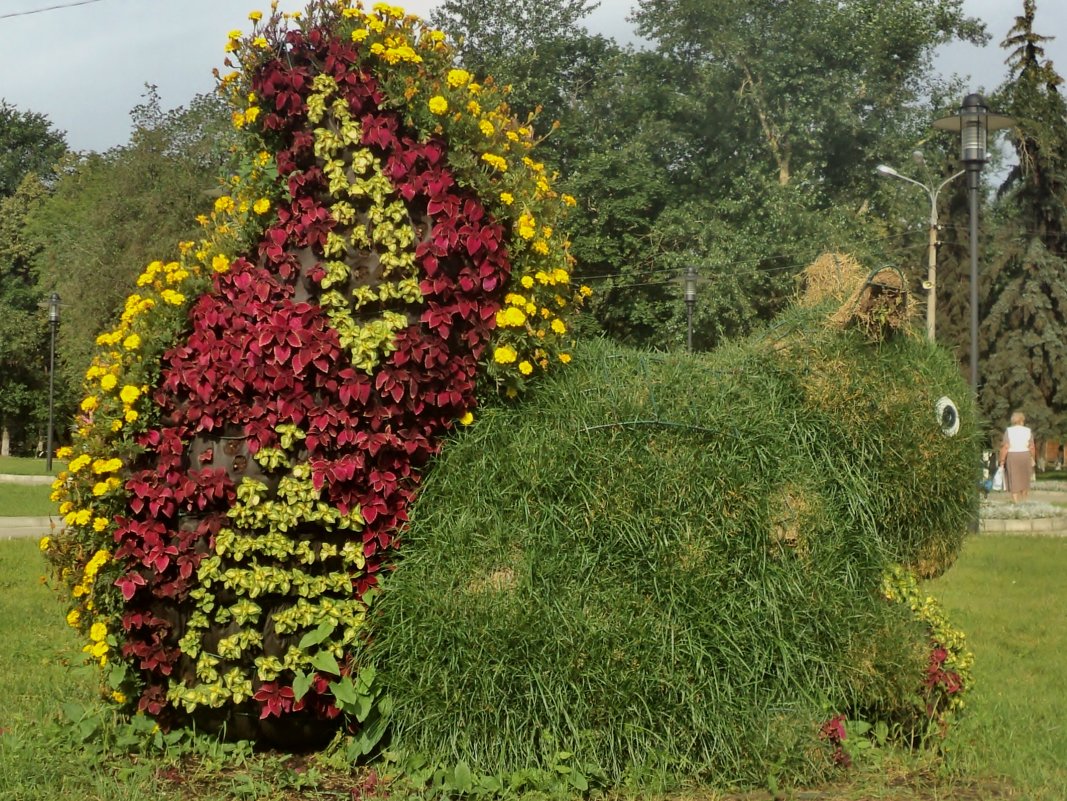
point(26, 500)
point(1007, 592)
point(1009, 595)
point(25, 466)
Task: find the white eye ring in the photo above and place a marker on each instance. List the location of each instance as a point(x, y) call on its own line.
point(948, 416)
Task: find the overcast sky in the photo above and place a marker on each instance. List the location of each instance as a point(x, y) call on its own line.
point(85, 65)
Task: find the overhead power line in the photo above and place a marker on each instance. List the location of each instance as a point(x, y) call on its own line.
point(47, 8)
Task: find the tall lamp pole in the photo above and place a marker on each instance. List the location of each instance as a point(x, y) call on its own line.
point(53, 323)
point(974, 122)
point(690, 302)
point(930, 285)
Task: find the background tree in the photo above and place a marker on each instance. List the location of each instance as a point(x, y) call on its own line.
point(1024, 330)
point(23, 327)
point(28, 143)
point(112, 213)
point(29, 147)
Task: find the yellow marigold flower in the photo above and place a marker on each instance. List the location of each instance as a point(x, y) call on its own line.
point(527, 227)
point(510, 317)
point(474, 108)
point(527, 282)
point(106, 465)
point(238, 120)
point(261, 206)
point(458, 78)
point(99, 524)
point(108, 382)
point(507, 198)
point(73, 617)
point(116, 426)
point(225, 204)
point(540, 247)
point(495, 161)
point(565, 358)
point(359, 34)
point(82, 517)
point(438, 105)
point(132, 342)
point(255, 16)
point(585, 291)
point(560, 276)
point(466, 419)
point(78, 590)
point(99, 650)
point(130, 394)
point(505, 355)
point(64, 452)
point(569, 200)
point(487, 128)
point(172, 297)
point(99, 488)
point(117, 697)
point(261, 43)
point(512, 136)
point(65, 507)
point(130, 415)
point(97, 632)
point(79, 462)
point(525, 368)
point(44, 543)
point(559, 326)
point(220, 263)
point(90, 404)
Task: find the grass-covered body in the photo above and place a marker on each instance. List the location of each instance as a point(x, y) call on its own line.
point(676, 562)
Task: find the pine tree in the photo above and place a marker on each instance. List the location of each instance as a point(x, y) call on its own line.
point(1024, 332)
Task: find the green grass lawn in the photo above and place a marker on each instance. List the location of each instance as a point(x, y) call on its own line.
point(26, 500)
point(1008, 593)
point(24, 466)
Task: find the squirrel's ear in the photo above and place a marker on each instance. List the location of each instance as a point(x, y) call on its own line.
point(880, 307)
point(878, 302)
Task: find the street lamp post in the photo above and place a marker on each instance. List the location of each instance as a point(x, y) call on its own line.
point(53, 323)
point(930, 285)
point(690, 302)
point(974, 122)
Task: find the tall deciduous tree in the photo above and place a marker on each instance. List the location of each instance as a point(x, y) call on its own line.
point(1025, 325)
point(29, 146)
point(28, 143)
point(112, 213)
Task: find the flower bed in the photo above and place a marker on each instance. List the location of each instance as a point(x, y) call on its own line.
point(256, 424)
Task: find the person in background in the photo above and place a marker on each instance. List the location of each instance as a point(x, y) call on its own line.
point(1018, 454)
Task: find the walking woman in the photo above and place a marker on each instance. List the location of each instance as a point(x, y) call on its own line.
point(1018, 455)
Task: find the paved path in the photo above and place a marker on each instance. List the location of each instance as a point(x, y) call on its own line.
point(7, 478)
point(11, 527)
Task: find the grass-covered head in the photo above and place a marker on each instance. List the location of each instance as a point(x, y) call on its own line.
point(675, 563)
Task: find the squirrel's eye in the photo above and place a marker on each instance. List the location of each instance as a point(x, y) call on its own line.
point(948, 416)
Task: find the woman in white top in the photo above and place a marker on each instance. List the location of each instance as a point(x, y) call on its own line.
point(1018, 455)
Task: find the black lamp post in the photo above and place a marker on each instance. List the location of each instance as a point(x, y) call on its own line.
point(690, 302)
point(974, 122)
point(53, 323)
